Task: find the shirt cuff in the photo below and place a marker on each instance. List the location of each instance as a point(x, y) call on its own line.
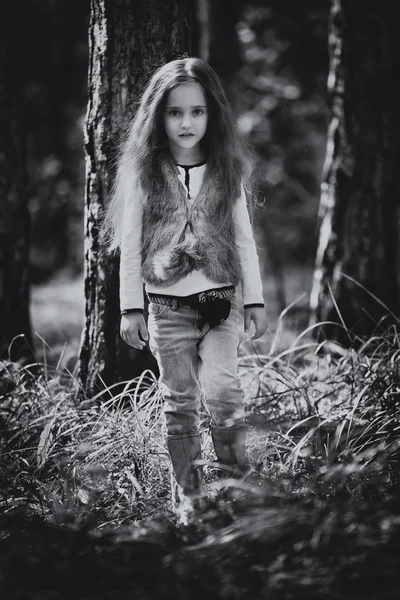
point(126, 311)
point(257, 304)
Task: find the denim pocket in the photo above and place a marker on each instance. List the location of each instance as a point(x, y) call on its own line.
point(158, 311)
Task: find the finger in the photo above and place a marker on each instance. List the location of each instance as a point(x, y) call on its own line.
point(257, 328)
point(136, 342)
point(143, 331)
point(132, 339)
point(139, 345)
point(261, 328)
point(247, 320)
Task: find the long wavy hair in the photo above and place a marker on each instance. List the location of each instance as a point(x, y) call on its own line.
point(226, 151)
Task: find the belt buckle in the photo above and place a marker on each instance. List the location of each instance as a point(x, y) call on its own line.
point(208, 296)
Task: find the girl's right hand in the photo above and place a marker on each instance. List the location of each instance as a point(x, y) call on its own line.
point(131, 325)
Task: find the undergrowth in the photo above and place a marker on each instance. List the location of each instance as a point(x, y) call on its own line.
point(321, 419)
point(323, 438)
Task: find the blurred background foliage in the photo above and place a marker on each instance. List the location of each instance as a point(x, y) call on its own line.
point(281, 102)
point(283, 109)
point(55, 103)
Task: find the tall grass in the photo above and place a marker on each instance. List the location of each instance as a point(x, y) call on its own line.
point(335, 413)
point(323, 440)
point(102, 459)
point(322, 420)
point(320, 519)
point(323, 434)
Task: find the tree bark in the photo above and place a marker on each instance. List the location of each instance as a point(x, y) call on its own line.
point(14, 216)
point(356, 278)
point(128, 40)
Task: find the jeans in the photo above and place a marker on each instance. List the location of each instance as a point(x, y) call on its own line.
point(195, 362)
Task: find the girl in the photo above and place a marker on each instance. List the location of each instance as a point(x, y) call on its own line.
point(179, 217)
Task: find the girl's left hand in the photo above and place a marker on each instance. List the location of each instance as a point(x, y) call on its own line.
point(259, 318)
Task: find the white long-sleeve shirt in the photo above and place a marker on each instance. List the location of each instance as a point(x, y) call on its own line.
point(131, 285)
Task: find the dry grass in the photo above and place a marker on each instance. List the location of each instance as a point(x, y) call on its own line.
point(101, 459)
point(323, 437)
point(317, 415)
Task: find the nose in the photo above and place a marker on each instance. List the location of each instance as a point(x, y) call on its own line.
point(186, 121)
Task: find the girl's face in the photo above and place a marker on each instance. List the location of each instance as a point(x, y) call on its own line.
point(185, 121)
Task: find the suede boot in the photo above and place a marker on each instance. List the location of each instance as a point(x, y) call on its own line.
point(230, 449)
point(184, 450)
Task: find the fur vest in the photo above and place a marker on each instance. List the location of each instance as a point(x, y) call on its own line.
point(177, 238)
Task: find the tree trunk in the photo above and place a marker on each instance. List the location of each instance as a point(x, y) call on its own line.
point(14, 216)
point(356, 278)
point(128, 40)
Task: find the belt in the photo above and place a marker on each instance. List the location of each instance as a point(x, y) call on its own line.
point(213, 306)
point(194, 300)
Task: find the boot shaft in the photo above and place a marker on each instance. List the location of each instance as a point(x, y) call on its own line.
point(230, 448)
point(184, 451)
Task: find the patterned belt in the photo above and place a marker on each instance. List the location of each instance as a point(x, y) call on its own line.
point(194, 299)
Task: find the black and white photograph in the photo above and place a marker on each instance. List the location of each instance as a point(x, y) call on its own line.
point(199, 300)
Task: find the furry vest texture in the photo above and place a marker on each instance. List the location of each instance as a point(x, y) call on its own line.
point(178, 239)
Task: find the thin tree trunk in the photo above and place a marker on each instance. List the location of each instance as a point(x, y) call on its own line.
point(14, 216)
point(358, 254)
point(128, 40)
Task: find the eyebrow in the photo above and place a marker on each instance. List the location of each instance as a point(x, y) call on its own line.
point(197, 106)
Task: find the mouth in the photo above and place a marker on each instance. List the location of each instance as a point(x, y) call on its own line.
point(186, 135)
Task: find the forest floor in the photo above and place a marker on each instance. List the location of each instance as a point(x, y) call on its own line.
point(88, 508)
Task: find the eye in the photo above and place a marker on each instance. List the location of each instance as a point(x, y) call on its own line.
point(198, 111)
point(173, 112)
